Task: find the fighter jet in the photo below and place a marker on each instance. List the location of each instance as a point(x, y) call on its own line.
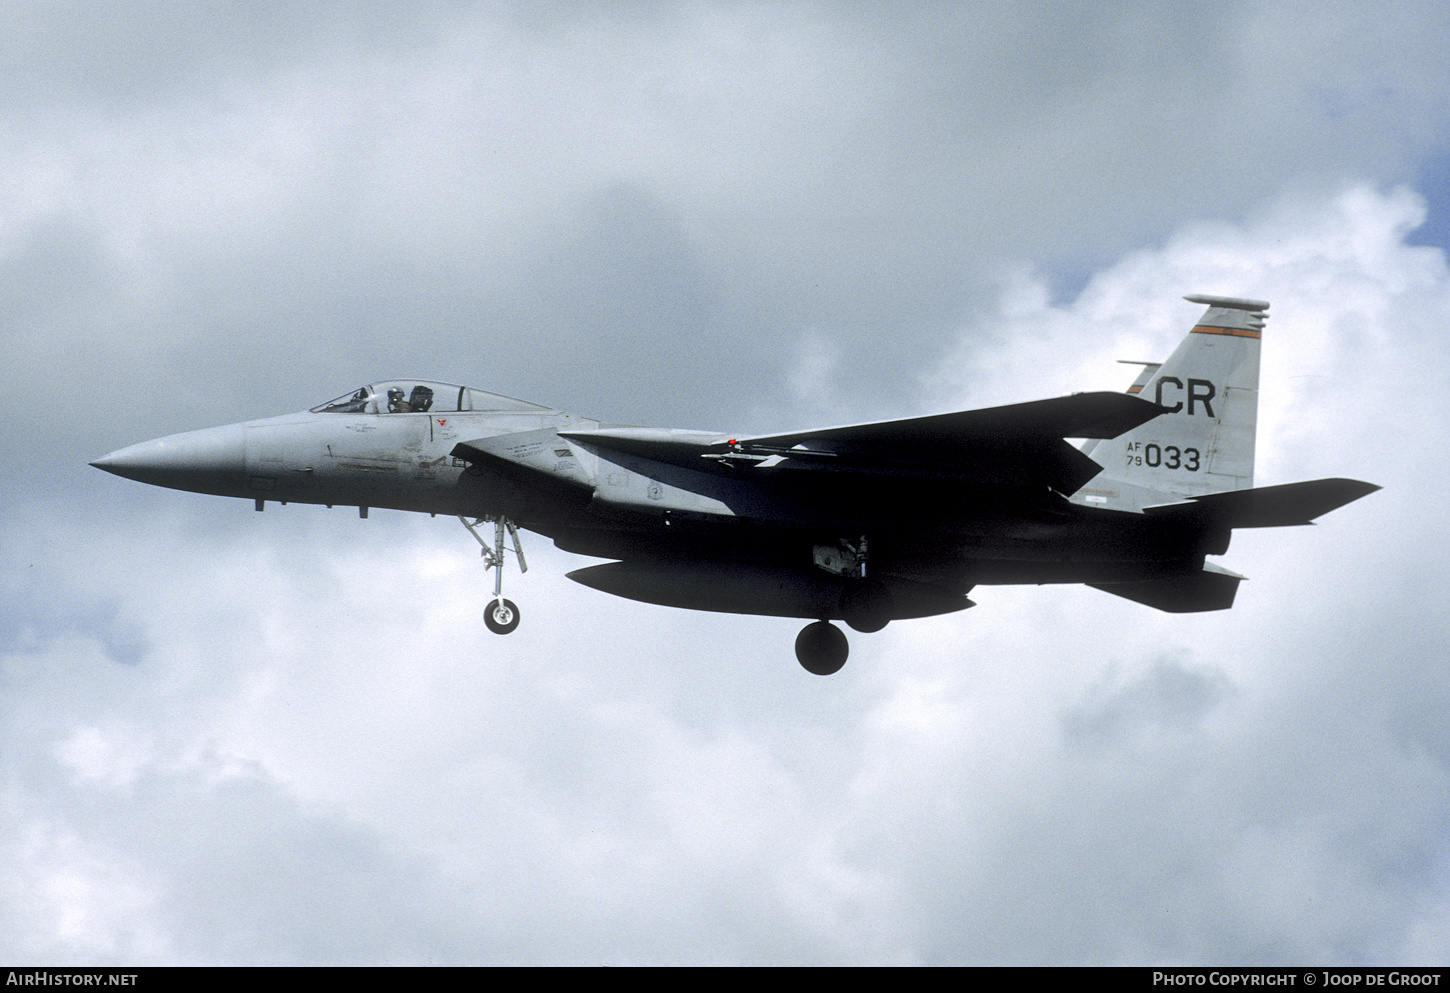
point(865, 523)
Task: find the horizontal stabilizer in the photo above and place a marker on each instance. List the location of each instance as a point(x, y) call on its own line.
point(1213, 588)
point(1270, 506)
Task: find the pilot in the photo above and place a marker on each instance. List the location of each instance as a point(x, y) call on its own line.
point(396, 403)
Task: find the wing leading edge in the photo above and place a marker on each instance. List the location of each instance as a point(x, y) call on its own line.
point(1082, 415)
point(1013, 445)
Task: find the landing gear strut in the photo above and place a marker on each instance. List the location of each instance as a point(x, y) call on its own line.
point(501, 615)
point(821, 648)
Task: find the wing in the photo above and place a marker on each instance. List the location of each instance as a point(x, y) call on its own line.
point(1015, 445)
point(1082, 415)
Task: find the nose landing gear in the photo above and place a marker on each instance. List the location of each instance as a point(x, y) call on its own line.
point(501, 615)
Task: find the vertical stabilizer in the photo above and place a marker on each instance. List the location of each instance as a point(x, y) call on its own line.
point(1204, 441)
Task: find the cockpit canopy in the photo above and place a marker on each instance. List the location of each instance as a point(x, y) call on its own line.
point(417, 396)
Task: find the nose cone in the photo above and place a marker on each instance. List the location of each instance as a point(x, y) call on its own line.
point(209, 461)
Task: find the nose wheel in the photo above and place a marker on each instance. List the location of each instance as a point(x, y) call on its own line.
point(501, 615)
point(821, 648)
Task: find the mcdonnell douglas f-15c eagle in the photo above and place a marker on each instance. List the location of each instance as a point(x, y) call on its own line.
point(867, 523)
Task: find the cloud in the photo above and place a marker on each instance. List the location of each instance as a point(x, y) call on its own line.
point(286, 737)
point(474, 189)
point(297, 716)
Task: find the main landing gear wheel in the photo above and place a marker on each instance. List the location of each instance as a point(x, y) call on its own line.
point(501, 616)
point(821, 648)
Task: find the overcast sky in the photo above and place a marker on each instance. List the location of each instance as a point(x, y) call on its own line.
point(231, 737)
